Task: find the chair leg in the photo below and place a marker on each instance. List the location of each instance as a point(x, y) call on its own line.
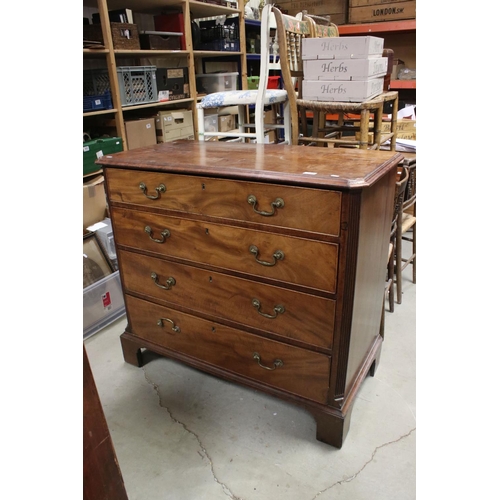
point(414, 249)
point(287, 122)
point(201, 123)
point(364, 124)
point(399, 285)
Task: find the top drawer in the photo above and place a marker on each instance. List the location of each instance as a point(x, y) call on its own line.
point(306, 209)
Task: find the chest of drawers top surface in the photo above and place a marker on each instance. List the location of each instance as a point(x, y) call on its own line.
point(333, 168)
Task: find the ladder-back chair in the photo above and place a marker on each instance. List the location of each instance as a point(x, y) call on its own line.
point(291, 32)
point(243, 99)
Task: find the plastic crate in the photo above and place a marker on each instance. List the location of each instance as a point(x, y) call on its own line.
point(96, 102)
point(95, 82)
point(137, 84)
point(221, 45)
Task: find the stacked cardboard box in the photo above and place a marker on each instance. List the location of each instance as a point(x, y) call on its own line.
point(346, 69)
point(174, 124)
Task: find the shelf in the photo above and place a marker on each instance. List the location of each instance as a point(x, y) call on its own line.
point(198, 9)
point(156, 104)
point(403, 84)
point(95, 52)
point(145, 53)
point(99, 112)
point(384, 27)
point(215, 53)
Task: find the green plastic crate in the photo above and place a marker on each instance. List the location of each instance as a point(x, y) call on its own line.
point(92, 150)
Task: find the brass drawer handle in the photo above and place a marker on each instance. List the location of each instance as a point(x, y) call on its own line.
point(174, 327)
point(279, 309)
point(278, 255)
point(168, 284)
point(276, 364)
point(160, 189)
point(277, 203)
point(164, 234)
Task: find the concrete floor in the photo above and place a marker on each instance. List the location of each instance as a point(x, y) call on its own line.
point(184, 435)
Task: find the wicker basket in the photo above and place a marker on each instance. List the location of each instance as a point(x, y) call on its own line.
point(125, 36)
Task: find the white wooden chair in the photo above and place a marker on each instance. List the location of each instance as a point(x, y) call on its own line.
point(259, 98)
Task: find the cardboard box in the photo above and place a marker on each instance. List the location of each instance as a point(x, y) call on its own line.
point(177, 118)
point(94, 201)
point(383, 12)
point(140, 133)
point(345, 69)
point(342, 47)
point(355, 91)
point(336, 9)
point(172, 134)
point(227, 123)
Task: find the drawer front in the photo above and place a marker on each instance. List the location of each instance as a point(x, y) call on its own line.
point(300, 372)
point(294, 315)
point(297, 261)
point(313, 210)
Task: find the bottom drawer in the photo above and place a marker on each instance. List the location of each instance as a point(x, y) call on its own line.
point(298, 371)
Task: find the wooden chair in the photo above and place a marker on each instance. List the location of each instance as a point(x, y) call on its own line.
point(290, 35)
point(322, 27)
point(243, 99)
point(407, 228)
point(399, 194)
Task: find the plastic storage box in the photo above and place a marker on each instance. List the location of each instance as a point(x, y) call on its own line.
point(216, 82)
point(102, 304)
point(92, 150)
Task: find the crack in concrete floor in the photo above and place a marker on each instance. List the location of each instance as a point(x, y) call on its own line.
point(351, 478)
point(224, 487)
point(227, 491)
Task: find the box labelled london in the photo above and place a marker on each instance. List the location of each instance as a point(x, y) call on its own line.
point(370, 11)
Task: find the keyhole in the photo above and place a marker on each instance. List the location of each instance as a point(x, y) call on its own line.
point(202, 186)
point(213, 329)
point(210, 279)
point(206, 230)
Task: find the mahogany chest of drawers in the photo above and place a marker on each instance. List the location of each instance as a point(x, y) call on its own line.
point(261, 264)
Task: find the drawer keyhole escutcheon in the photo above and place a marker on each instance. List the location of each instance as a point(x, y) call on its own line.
point(278, 255)
point(168, 284)
point(164, 234)
point(276, 364)
point(161, 188)
point(277, 203)
point(279, 309)
point(175, 328)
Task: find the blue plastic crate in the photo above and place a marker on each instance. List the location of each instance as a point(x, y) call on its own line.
point(96, 102)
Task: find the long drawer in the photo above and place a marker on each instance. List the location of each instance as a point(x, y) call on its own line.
point(292, 369)
point(294, 315)
point(298, 261)
point(313, 210)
